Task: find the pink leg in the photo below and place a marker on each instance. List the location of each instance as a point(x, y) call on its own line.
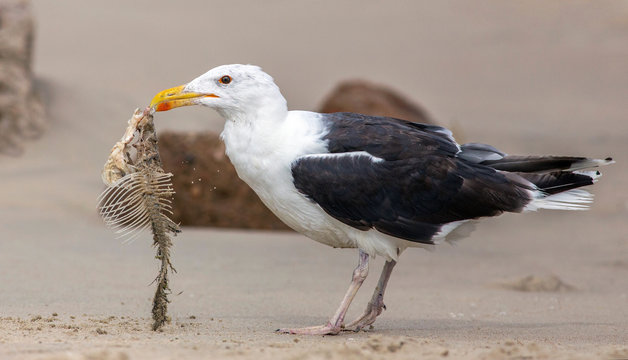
point(376, 305)
point(334, 325)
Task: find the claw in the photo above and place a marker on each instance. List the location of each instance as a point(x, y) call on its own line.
point(336, 324)
point(376, 305)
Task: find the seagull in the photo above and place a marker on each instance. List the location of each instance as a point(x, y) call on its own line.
point(377, 184)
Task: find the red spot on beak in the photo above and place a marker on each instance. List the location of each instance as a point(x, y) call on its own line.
point(165, 106)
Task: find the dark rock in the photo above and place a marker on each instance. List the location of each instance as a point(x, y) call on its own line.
point(363, 97)
point(208, 190)
point(21, 109)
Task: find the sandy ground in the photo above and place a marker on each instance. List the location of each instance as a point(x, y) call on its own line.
point(527, 77)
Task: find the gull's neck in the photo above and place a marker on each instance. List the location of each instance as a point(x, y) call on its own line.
point(269, 108)
point(251, 132)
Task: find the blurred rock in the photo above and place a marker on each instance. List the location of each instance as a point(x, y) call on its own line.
point(363, 97)
point(21, 110)
point(208, 190)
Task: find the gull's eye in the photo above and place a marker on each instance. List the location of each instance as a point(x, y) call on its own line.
point(225, 79)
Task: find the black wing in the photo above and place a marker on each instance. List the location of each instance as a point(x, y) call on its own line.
point(419, 186)
point(386, 138)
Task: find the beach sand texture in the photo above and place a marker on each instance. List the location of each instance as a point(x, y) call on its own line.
point(532, 77)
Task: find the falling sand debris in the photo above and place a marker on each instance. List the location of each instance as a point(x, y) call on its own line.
point(138, 197)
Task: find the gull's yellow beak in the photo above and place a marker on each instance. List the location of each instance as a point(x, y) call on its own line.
point(175, 97)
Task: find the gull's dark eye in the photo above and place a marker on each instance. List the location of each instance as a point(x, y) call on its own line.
point(225, 79)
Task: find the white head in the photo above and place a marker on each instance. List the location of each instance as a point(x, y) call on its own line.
point(235, 91)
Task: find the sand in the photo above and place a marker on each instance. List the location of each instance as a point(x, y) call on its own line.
point(527, 77)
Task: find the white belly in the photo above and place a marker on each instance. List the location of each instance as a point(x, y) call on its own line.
point(309, 219)
point(263, 161)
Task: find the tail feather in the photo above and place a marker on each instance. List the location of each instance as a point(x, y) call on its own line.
point(553, 181)
point(574, 199)
point(559, 190)
point(544, 164)
point(559, 181)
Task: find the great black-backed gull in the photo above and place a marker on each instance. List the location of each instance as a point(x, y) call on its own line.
point(374, 183)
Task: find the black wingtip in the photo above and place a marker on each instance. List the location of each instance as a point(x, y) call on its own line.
point(609, 159)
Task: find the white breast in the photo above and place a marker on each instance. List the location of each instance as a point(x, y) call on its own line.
point(262, 155)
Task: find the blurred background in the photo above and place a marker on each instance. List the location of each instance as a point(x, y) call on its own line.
point(529, 77)
point(526, 76)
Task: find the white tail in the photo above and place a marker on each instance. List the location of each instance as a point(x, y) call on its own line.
point(574, 199)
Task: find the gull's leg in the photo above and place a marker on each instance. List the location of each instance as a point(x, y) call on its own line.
point(334, 325)
point(376, 305)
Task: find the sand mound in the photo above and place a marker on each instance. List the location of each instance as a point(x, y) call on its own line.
point(534, 283)
point(363, 97)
